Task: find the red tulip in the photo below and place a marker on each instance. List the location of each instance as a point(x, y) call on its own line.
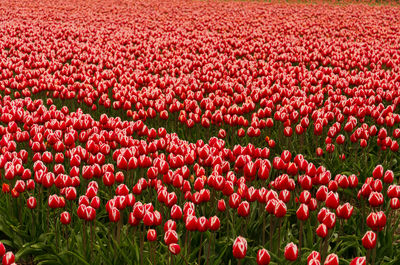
point(202, 224)
point(191, 223)
point(280, 209)
point(314, 255)
point(291, 252)
point(2, 249)
point(114, 215)
point(359, 261)
point(169, 225)
point(5, 188)
point(377, 173)
point(65, 218)
point(148, 219)
point(394, 203)
point(302, 212)
point(138, 210)
point(214, 223)
point(174, 248)
point(31, 202)
point(239, 248)
point(331, 259)
point(322, 231)
point(305, 197)
point(176, 212)
point(151, 235)
point(388, 177)
point(332, 200)
point(322, 193)
point(369, 240)
point(375, 199)
point(8, 258)
point(170, 236)
point(244, 209)
point(263, 257)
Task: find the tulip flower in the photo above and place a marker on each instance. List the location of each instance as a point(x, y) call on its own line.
point(263, 257)
point(377, 173)
point(369, 240)
point(359, 261)
point(174, 248)
point(239, 248)
point(8, 258)
point(291, 252)
point(331, 259)
point(31, 202)
point(65, 218)
point(314, 255)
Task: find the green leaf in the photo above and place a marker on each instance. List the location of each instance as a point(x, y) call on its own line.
point(78, 257)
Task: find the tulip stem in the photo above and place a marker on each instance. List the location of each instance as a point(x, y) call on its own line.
point(47, 217)
point(119, 229)
point(279, 236)
point(368, 256)
point(188, 246)
point(33, 230)
point(374, 251)
point(141, 245)
point(362, 212)
point(271, 230)
point(209, 248)
point(186, 242)
point(153, 252)
point(67, 237)
point(300, 237)
point(263, 229)
point(184, 258)
point(201, 246)
point(91, 240)
point(84, 237)
point(134, 236)
point(55, 230)
point(324, 247)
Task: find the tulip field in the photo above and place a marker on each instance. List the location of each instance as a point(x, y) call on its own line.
point(199, 132)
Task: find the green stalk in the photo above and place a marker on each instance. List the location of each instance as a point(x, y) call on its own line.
point(300, 237)
point(55, 230)
point(263, 229)
point(209, 248)
point(91, 240)
point(271, 231)
point(324, 247)
point(84, 237)
point(141, 245)
point(201, 246)
point(374, 250)
point(368, 256)
point(279, 236)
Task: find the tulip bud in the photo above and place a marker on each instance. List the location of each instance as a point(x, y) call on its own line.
point(359, 261)
point(239, 247)
point(65, 218)
point(332, 259)
point(263, 257)
point(291, 252)
point(303, 213)
point(174, 248)
point(314, 255)
point(31, 202)
point(369, 240)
